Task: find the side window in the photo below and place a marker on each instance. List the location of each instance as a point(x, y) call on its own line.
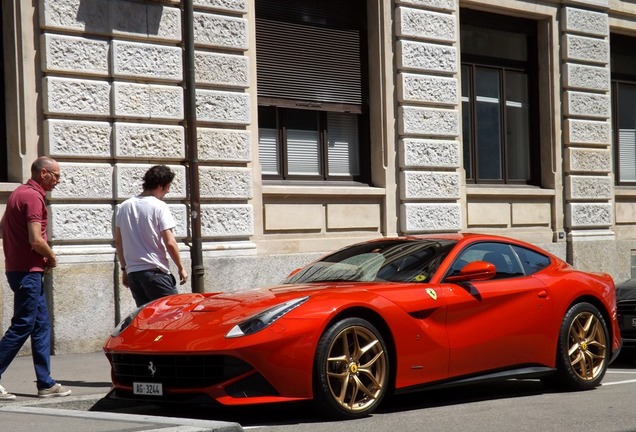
point(532, 261)
point(501, 255)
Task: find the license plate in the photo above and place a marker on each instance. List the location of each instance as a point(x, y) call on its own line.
point(148, 389)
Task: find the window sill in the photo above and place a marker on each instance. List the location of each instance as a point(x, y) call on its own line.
point(321, 188)
point(8, 187)
point(625, 191)
point(508, 191)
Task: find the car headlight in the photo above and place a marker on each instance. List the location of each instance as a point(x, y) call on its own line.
point(126, 322)
point(265, 318)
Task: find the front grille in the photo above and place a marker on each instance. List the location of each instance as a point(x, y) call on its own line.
point(627, 319)
point(183, 371)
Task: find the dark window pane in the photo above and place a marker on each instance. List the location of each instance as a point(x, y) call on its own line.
point(488, 127)
point(467, 121)
point(518, 126)
point(532, 261)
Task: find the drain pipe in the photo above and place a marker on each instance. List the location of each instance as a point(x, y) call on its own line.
point(196, 254)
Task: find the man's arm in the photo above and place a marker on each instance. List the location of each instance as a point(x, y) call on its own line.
point(119, 247)
point(173, 251)
point(39, 244)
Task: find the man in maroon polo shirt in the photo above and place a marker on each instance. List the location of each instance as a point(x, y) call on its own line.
point(27, 256)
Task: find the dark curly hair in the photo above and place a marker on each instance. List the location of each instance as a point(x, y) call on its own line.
point(157, 176)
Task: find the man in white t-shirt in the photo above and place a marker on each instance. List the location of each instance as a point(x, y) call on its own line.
point(144, 239)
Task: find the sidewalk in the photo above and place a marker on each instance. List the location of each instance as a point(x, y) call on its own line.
point(88, 376)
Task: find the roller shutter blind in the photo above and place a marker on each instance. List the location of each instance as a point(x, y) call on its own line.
point(311, 51)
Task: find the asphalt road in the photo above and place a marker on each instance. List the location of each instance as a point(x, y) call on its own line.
point(505, 406)
point(510, 406)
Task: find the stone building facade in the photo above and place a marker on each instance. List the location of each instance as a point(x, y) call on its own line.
point(102, 86)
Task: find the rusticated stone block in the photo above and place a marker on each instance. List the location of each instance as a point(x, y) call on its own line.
point(426, 57)
point(585, 49)
point(91, 16)
point(429, 185)
point(152, 21)
point(227, 220)
point(81, 222)
point(587, 132)
point(447, 5)
point(137, 60)
point(75, 55)
point(223, 107)
point(224, 145)
point(427, 89)
point(439, 217)
point(149, 141)
point(425, 25)
point(148, 101)
point(428, 121)
point(588, 160)
point(129, 180)
point(589, 215)
point(429, 153)
point(227, 5)
point(588, 187)
point(587, 104)
point(84, 181)
point(76, 97)
point(77, 138)
point(585, 22)
point(586, 77)
point(112, 17)
point(220, 31)
point(221, 69)
point(225, 182)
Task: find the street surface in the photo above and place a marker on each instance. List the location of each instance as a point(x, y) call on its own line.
point(501, 406)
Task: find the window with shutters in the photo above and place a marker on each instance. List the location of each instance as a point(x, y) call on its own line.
point(499, 89)
point(312, 89)
point(623, 66)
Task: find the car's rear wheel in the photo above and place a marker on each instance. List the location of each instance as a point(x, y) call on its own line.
point(351, 369)
point(583, 352)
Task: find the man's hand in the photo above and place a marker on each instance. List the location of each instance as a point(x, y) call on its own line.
point(183, 276)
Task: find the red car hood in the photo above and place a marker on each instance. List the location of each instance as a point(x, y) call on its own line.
point(223, 310)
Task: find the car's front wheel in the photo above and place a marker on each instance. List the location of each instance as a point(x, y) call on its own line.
point(351, 369)
point(583, 352)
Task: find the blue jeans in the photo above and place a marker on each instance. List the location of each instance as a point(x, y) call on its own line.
point(30, 318)
point(149, 285)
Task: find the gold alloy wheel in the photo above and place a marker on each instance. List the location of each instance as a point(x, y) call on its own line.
point(588, 346)
point(356, 368)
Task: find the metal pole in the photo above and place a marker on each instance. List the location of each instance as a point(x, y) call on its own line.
point(196, 254)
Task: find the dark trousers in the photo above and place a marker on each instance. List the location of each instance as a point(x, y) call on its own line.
point(30, 318)
point(148, 285)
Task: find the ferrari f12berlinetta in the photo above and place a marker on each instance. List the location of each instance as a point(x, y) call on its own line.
point(387, 316)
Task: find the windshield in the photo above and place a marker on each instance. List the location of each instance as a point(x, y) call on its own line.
point(381, 261)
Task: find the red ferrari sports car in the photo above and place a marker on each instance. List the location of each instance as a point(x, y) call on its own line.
point(387, 316)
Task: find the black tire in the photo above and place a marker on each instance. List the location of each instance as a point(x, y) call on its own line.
point(583, 349)
point(351, 369)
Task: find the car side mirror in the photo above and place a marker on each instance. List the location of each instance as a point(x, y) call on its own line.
point(474, 271)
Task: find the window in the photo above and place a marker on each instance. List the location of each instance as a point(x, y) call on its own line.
point(623, 65)
point(499, 87)
point(312, 89)
point(501, 255)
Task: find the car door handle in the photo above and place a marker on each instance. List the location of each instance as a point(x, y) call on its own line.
point(542, 294)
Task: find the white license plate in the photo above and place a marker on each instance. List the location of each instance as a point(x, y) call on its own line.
point(148, 389)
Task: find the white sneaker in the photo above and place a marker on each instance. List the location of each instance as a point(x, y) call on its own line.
point(56, 390)
point(5, 395)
